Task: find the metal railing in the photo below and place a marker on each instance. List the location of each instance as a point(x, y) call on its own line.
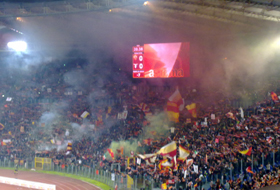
point(141, 181)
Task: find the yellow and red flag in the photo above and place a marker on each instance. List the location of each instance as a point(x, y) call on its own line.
point(169, 149)
point(183, 153)
point(165, 163)
point(162, 162)
point(192, 109)
point(69, 146)
point(175, 104)
point(111, 153)
point(246, 152)
point(274, 96)
point(172, 111)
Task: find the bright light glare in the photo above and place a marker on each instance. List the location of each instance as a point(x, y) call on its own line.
point(17, 45)
point(277, 42)
point(146, 3)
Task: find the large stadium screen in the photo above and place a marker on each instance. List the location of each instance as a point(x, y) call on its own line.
point(163, 60)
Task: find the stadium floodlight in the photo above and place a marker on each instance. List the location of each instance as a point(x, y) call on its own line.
point(18, 46)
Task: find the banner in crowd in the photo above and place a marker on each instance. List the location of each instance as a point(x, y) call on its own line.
point(112, 176)
point(84, 114)
point(195, 168)
point(138, 161)
point(123, 115)
point(7, 140)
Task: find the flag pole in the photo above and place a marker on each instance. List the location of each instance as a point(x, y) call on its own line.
point(252, 162)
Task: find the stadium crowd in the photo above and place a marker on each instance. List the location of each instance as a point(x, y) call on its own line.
point(230, 148)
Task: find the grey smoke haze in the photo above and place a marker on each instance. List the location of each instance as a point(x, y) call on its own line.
point(106, 39)
point(115, 33)
point(158, 124)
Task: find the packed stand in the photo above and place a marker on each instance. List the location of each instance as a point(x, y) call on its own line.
point(44, 129)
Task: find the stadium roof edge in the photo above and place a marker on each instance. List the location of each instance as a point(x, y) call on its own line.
point(233, 11)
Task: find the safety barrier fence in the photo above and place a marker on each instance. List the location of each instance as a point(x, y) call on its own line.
point(236, 169)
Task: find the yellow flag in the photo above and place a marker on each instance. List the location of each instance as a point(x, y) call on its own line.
point(164, 186)
point(129, 182)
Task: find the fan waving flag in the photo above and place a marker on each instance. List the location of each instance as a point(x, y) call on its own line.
point(249, 170)
point(111, 153)
point(69, 148)
point(183, 153)
point(164, 163)
point(274, 97)
point(169, 149)
point(145, 108)
point(84, 114)
point(175, 104)
point(192, 109)
point(173, 111)
point(149, 158)
point(246, 152)
point(269, 139)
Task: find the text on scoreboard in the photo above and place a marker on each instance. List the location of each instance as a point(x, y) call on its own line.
point(163, 60)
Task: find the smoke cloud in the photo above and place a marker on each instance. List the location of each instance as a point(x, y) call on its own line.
point(158, 127)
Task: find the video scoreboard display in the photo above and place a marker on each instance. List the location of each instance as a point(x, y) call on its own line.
point(163, 60)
